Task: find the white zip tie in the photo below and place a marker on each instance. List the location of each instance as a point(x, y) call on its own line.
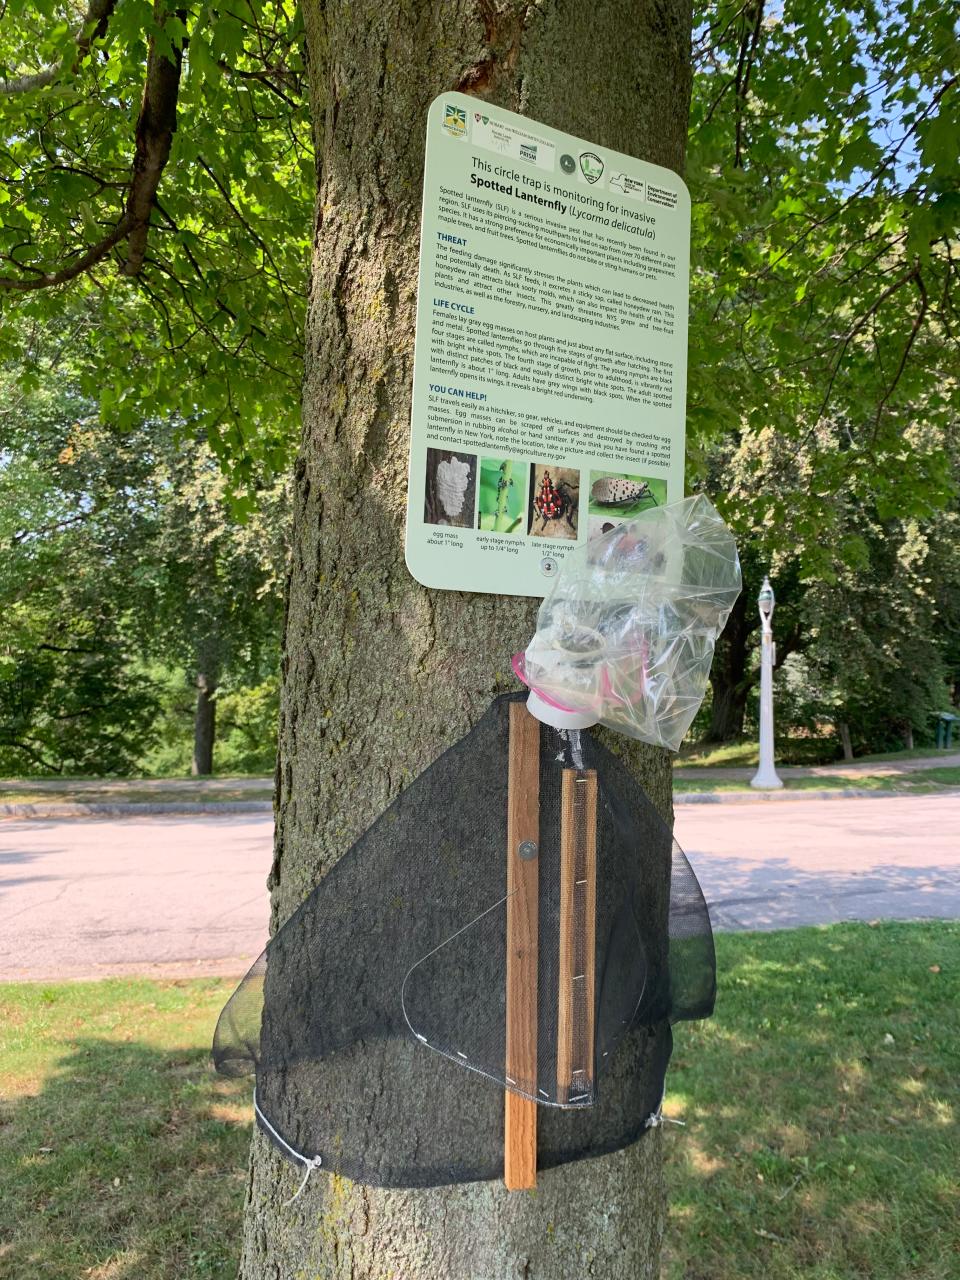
point(309, 1163)
point(656, 1120)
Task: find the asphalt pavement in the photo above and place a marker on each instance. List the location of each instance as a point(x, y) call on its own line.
point(817, 862)
point(174, 895)
point(186, 895)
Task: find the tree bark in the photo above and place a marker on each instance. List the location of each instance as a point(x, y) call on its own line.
point(204, 727)
point(380, 675)
point(729, 680)
point(846, 744)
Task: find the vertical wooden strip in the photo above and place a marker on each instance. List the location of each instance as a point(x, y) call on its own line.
point(578, 928)
point(523, 826)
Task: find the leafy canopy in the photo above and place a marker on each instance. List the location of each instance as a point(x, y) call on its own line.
point(120, 556)
point(160, 158)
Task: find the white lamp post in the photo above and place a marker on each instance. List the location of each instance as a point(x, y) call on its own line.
point(766, 779)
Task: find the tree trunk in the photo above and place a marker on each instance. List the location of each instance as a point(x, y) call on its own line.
point(204, 726)
point(380, 675)
point(729, 681)
point(845, 742)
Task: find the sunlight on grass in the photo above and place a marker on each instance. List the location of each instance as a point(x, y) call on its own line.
point(831, 1151)
point(820, 1110)
point(924, 782)
point(121, 1154)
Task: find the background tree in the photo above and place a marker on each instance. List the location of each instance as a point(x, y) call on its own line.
point(210, 587)
point(824, 355)
point(864, 617)
point(121, 560)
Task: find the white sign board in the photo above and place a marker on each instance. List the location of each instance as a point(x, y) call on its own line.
point(550, 371)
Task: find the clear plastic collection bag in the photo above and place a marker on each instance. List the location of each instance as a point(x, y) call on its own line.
point(626, 636)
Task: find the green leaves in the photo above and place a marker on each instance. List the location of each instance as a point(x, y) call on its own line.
point(219, 304)
point(118, 545)
point(826, 198)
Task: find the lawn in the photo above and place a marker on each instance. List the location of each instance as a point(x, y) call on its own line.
point(122, 1155)
point(820, 1109)
point(922, 782)
point(800, 751)
point(745, 754)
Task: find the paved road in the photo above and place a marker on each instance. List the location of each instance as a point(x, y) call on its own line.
point(83, 898)
point(185, 895)
point(818, 862)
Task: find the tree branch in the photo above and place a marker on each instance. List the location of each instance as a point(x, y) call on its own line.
point(46, 279)
point(94, 27)
point(905, 355)
point(19, 745)
point(898, 284)
point(156, 126)
point(744, 68)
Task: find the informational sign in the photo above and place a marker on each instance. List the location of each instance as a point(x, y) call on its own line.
point(550, 373)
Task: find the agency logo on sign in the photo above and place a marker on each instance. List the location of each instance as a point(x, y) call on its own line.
point(629, 186)
point(528, 151)
point(591, 166)
point(455, 121)
point(568, 164)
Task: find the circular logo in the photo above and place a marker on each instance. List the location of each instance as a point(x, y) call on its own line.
point(568, 164)
point(548, 566)
point(591, 166)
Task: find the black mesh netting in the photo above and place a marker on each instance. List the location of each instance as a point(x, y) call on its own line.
point(366, 1007)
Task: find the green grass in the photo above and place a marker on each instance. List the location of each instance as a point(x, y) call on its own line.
point(739, 755)
point(915, 753)
point(924, 782)
point(802, 751)
point(122, 1156)
point(820, 1107)
point(97, 778)
point(744, 755)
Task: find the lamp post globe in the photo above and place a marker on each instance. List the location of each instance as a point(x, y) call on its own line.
point(766, 778)
point(766, 601)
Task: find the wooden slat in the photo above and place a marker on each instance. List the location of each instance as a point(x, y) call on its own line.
point(578, 927)
point(523, 823)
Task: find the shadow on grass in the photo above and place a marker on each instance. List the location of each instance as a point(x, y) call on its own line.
point(128, 1161)
point(821, 1107)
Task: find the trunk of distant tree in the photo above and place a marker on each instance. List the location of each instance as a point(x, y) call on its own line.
point(729, 681)
point(908, 737)
point(380, 675)
point(845, 743)
point(204, 726)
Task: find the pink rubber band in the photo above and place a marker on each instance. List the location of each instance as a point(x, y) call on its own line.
point(520, 671)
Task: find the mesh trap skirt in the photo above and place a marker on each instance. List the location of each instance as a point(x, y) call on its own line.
point(377, 1023)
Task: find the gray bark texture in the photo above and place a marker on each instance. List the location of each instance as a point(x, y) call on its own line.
point(204, 727)
point(379, 674)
